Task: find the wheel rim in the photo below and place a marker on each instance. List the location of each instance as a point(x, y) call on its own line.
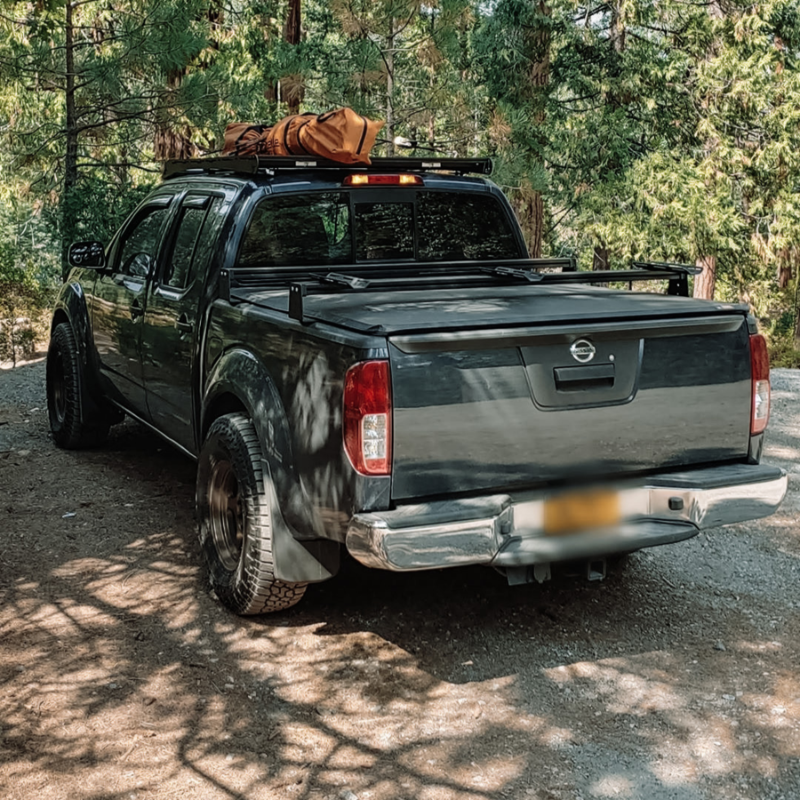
point(226, 514)
point(57, 392)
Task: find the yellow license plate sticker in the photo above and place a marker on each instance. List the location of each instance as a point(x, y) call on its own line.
point(569, 513)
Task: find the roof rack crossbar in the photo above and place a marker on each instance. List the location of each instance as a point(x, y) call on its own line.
point(252, 165)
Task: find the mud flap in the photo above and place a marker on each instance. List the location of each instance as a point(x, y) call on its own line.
point(298, 561)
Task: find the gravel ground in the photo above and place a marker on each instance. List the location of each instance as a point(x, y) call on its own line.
point(120, 677)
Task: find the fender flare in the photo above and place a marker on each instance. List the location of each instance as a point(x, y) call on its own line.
point(239, 374)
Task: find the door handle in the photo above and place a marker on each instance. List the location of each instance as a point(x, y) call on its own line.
point(183, 324)
point(136, 309)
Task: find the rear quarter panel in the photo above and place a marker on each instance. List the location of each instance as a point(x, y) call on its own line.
point(291, 379)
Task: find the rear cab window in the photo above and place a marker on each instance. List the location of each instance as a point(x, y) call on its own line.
point(364, 226)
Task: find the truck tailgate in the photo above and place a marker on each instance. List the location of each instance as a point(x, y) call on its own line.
point(488, 409)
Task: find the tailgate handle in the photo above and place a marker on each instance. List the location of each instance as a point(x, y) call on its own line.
point(574, 379)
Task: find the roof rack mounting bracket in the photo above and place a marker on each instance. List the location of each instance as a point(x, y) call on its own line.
point(679, 282)
point(297, 291)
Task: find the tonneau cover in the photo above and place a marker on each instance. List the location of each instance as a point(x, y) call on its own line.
point(389, 313)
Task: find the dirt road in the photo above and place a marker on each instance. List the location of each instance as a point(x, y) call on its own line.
point(120, 677)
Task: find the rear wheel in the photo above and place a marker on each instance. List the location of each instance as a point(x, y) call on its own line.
point(64, 398)
point(235, 520)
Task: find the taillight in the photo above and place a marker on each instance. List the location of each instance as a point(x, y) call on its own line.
point(759, 368)
point(363, 179)
point(368, 418)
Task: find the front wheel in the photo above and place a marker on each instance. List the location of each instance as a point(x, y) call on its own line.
point(64, 409)
point(235, 521)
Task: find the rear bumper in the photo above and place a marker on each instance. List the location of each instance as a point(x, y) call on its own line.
point(507, 530)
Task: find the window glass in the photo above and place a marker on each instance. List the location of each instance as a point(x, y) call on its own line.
point(314, 229)
point(139, 248)
point(207, 239)
point(176, 273)
point(384, 231)
point(454, 227)
point(299, 230)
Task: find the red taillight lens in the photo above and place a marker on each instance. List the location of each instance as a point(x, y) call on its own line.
point(368, 418)
point(363, 179)
point(759, 367)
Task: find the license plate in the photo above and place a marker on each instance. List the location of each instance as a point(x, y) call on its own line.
point(569, 513)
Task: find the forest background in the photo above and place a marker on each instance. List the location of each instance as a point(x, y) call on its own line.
point(635, 129)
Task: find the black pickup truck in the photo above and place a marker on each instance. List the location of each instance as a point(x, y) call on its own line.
point(366, 357)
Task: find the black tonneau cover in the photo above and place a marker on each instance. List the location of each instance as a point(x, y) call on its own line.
point(389, 313)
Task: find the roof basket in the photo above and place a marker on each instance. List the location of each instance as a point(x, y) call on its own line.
point(252, 165)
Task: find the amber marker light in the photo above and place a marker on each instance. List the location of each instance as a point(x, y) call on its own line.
point(361, 179)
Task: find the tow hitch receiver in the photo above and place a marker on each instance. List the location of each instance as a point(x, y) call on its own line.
point(593, 569)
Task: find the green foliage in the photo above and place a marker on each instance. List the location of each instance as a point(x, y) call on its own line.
point(635, 128)
point(100, 206)
point(783, 347)
point(27, 272)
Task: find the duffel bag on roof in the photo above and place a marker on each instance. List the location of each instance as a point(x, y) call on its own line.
point(340, 135)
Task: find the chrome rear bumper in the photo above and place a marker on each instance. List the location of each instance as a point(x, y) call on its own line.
point(507, 530)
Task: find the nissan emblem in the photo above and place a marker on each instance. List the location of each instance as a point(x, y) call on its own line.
point(583, 350)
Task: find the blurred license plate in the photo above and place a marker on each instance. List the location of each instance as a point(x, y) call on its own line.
point(569, 513)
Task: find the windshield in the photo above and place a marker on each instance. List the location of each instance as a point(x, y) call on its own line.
point(330, 228)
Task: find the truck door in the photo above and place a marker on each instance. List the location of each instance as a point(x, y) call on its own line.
point(118, 303)
point(170, 338)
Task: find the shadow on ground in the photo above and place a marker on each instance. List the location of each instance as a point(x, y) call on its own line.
point(120, 677)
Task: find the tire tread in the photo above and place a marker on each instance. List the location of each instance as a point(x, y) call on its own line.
point(253, 587)
point(71, 433)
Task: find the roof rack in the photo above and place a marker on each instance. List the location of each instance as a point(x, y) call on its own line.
point(252, 165)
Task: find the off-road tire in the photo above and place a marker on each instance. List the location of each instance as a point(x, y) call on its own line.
point(64, 399)
point(235, 521)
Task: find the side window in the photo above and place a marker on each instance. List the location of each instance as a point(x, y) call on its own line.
point(193, 241)
point(298, 230)
point(204, 247)
point(140, 243)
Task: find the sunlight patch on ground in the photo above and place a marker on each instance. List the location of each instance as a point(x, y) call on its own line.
point(613, 786)
point(783, 452)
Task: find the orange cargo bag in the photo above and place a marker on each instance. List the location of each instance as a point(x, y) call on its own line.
point(340, 135)
point(244, 139)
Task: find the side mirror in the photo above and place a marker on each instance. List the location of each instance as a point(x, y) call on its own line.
point(90, 255)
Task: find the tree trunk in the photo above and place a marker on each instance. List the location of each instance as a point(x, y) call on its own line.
point(528, 206)
point(787, 258)
point(71, 135)
point(168, 142)
point(537, 225)
point(389, 61)
point(537, 46)
point(600, 258)
point(292, 86)
point(706, 282)
point(293, 29)
point(617, 32)
point(797, 313)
